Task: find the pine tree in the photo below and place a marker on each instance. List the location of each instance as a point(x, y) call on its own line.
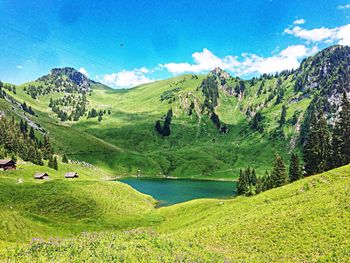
point(50, 163)
point(345, 126)
point(278, 174)
point(247, 182)
point(32, 134)
point(282, 120)
point(55, 163)
point(64, 159)
point(317, 145)
point(337, 157)
point(295, 172)
point(158, 127)
point(341, 136)
point(241, 184)
point(324, 139)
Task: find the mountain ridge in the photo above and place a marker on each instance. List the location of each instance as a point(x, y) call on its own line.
point(219, 122)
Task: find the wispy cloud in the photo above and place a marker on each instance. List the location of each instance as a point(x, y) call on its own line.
point(204, 61)
point(339, 35)
point(299, 21)
point(342, 7)
point(127, 78)
point(19, 66)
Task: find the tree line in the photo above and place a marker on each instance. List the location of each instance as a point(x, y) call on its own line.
point(327, 148)
point(20, 140)
point(249, 184)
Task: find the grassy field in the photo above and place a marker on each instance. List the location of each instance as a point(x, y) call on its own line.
point(65, 207)
point(306, 221)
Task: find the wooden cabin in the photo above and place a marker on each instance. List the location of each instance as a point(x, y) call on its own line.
point(41, 176)
point(71, 175)
point(7, 164)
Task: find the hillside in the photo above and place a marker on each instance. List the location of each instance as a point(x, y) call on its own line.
point(66, 207)
point(216, 124)
point(306, 221)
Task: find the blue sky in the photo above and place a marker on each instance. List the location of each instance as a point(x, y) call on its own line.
point(125, 43)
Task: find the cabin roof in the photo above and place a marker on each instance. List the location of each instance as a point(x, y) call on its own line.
point(71, 174)
point(6, 161)
point(39, 175)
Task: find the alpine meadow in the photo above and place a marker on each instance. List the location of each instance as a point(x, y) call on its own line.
point(226, 158)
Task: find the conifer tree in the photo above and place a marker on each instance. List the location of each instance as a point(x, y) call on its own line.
point(341, 136)
point(317, 145)
point(247, 182)
point(158, 127)
point(64, 159)
point(55, 163)
point(295, 172)
point(241, 184)
point(282, 120)
point(50, 163)
point(324, 139)
point(278, 174)
point(32, 134)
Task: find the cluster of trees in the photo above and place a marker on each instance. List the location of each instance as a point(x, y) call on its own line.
point(165, 129)
point(257, 122)
point(9, 87)
point(18, 139)
point(27, 109)
point(36, 91)
point(326, 148)
point(93, 113)
point(169, 94)
point(249, 184)
point(70, 107)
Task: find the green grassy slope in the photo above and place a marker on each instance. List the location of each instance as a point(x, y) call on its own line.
point(66, 207)
point(126, 141)
point(306, 221)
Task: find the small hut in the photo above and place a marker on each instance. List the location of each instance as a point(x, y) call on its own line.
point(71, 175)
point(7, 164)
point(41, 176)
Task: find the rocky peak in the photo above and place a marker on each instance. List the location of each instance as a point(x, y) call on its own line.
point(220, 73)
point(67, 76)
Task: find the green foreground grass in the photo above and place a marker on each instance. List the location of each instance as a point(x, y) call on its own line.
point(66, 207)
point(306, 221)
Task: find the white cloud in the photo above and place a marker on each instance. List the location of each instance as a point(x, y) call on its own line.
point(19, 66)
point(299, 21)
point(340, 35)
point(127, 78)
point(288, 58)
point(84, 71)
point(342, 7)
point(203, 61)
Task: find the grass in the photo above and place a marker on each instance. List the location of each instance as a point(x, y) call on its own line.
point(306, 221)
point(66, 207)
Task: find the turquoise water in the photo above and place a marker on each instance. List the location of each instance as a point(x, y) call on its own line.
point(171, 191)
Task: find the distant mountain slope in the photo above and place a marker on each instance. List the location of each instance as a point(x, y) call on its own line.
point(215, 124)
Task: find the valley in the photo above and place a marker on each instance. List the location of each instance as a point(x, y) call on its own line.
point(160, 165)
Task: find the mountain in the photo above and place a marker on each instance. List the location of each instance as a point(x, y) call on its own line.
point(204, 126)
